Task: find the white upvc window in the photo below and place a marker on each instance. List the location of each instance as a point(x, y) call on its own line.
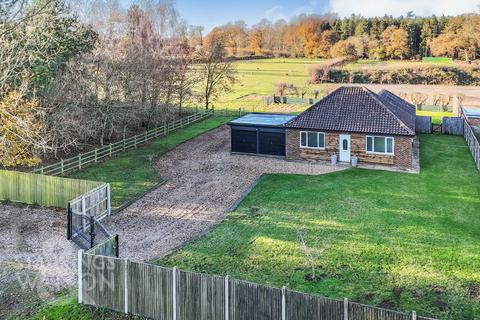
point(312, 140)
point(380, 145)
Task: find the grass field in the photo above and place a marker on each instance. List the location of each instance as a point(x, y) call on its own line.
point(257, 78)
point(437, 117)
point(133, 173)
point(396, 240)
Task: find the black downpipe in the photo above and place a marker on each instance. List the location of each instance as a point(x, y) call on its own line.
point(69, 222)
point(92, 232)
point(117, 245)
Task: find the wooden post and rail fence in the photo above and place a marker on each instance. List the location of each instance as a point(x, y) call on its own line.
point(171, 294)
point(70, 165)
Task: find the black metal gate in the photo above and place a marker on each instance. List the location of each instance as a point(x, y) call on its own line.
point(84, 230)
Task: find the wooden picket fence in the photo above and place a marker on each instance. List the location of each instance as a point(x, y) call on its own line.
point(70, 165)
point(170, 294)
point(42, 190)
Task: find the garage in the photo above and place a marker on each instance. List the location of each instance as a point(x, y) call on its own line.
point(259, 133)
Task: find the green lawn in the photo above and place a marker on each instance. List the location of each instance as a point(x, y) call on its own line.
point(437, 117)
point(397, 240)
point(132, 174)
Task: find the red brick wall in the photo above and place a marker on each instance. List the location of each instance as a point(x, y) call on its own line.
point(402, 157)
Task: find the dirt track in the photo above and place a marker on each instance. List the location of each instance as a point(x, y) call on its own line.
point(203, 181)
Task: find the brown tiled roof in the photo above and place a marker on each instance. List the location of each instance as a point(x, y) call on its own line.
point(357, 109)
point(405, 111)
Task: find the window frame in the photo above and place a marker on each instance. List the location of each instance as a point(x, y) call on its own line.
point(318, 139)
point(373, 145)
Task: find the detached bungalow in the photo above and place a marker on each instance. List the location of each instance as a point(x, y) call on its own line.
point(354, 121)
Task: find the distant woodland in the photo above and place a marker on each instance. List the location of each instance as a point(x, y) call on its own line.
point(327, 36)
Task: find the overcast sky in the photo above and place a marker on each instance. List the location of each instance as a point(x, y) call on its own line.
point(215, 12)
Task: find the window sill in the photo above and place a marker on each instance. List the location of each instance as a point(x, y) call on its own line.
point(380, 153)
point(312, 148)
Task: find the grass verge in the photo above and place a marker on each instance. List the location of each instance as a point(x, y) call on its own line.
point(395, 240)
point(132, 174)
point(66, 308)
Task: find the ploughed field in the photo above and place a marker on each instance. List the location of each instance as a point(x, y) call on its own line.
point(396, 240)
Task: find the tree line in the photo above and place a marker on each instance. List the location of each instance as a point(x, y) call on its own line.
point(326, 36)
point(80, 74)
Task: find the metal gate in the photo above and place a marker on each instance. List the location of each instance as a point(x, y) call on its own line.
point(84, 215)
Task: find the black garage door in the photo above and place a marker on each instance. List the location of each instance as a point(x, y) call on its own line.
point(244, 141)
point(272, 143)
point(258, 141)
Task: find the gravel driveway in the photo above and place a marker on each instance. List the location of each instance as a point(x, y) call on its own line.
point(203, 181)
point(36, 259)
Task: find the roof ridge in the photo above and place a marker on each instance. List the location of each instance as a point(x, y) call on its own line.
point(396, 96)
point(380, 102)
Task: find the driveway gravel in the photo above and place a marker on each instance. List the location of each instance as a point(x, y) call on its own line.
point(203, 181)
point(36, 259)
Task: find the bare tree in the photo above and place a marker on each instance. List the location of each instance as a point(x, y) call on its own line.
point(443, 101)
point(218, 72)
point(418, 99)
point(311, 254)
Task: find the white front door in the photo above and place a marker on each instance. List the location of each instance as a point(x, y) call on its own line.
point(344, 148)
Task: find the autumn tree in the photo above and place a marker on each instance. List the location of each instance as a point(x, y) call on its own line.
point(395, 41)
point(343, 49)
point(20, 130)
point(460, 39)
point(255, 41)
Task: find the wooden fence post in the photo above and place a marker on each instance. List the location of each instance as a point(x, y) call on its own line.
point(284, 304)
point(125, 274)
point(80, 161)
point(414, 315)
point(110, 150)
point(61, 166)
point(174, 293)
point(80, 276)
point(345, 309)
point(96, 154)
point(227, 304)
point(135, 142)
